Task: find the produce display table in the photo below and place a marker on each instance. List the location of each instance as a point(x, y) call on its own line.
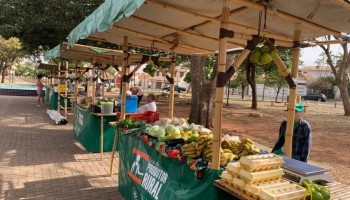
point(101, 115)
point(54, 100)
point(87, 130)
point(146, 174)
point(47, 95)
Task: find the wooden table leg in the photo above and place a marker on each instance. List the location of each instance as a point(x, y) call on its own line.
point(101, 139)
point(113, 150)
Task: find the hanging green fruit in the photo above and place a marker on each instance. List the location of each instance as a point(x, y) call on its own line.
point(256, 54)
point(266, 58)
point(265, 49)
point(263, 55)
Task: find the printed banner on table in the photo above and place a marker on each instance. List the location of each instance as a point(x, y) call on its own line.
point(87, 130)
point(145, 174)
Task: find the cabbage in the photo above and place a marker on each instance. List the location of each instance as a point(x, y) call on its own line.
point(157, 131)
point(171, 130)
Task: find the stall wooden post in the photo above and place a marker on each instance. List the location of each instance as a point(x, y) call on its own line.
point(58, 88)
point(292, 92)
point(93, 85)
point(66, 91)
point(219, 93)
point(103, 83)
point(172, 76)
point(76, 81)
point(88, 92)
point(123, 99)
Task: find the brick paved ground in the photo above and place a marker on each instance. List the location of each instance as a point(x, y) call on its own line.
point(39, 160)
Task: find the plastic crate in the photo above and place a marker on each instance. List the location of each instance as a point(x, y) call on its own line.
point(148, 116)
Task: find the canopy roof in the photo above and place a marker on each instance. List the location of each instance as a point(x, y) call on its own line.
point(48, 67)
point(194, 25)
point(88, 53)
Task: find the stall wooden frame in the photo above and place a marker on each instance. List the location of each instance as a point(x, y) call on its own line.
point(227, 39)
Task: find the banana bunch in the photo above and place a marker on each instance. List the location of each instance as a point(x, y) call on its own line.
point(244, 148)
point(191, 150)
point(203, 145)
point(226, 157)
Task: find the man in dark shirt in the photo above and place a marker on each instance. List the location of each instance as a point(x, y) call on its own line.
point(302, 136)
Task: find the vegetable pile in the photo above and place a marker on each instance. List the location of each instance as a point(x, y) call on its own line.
point(315, 191)
point(130, 124)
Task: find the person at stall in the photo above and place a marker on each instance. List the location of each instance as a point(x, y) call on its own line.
point(302, 136)
point(150, 106)
point(39, 90)
point(98, 92)
point(136, 91)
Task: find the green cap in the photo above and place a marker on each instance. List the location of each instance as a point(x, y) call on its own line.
point(299, 107)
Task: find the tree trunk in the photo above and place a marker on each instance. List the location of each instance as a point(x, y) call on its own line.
point(263, 97)
point(278, 91)
point(345, 97)
point(243, 88)
point(3, 76)
point(203, 92)
point(189, 89)
point(250, 75)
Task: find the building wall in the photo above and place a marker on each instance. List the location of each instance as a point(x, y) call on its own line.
point(270, 93)
point(158, 81)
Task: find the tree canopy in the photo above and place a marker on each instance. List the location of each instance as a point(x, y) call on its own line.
point(42, 24)
point(10, 51)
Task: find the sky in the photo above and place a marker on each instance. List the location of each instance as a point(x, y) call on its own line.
point(310, 54)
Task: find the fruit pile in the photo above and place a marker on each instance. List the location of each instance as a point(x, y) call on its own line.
point(263, 55)
point(315, 191)
point(240, 148)
point(259, 177)
point(229, 151)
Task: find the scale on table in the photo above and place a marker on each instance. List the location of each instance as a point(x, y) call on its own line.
point(296, 171)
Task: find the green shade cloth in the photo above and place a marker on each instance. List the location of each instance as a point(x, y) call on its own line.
point(145, 174)
point(103, 18)
point(54, 99)
point(53, 53)
point(87, 130)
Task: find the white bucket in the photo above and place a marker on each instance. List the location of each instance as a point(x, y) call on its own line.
point(107, 108)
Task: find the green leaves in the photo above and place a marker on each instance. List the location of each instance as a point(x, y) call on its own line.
point(42, 24)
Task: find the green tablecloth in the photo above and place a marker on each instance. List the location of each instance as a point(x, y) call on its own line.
point(54, 99)
point(47, 95)
point(145, 174)
point(87, 130)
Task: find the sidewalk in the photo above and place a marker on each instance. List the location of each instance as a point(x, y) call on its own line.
point(39, 160)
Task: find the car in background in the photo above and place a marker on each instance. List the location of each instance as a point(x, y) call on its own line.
point(315, 97)
point(176, 88)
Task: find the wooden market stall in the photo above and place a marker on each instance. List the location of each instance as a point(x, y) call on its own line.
point(101, 58)
point(203, 26)
point(51, 77)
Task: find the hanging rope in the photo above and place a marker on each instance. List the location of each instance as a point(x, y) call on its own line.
point(312, 14)
point(265, 10)
point(259, 23)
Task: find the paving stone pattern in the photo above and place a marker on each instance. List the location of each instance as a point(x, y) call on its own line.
point(40, 160)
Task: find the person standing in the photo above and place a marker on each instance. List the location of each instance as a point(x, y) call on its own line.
point(136, 91)
point(39, 90)
point(302, 137)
